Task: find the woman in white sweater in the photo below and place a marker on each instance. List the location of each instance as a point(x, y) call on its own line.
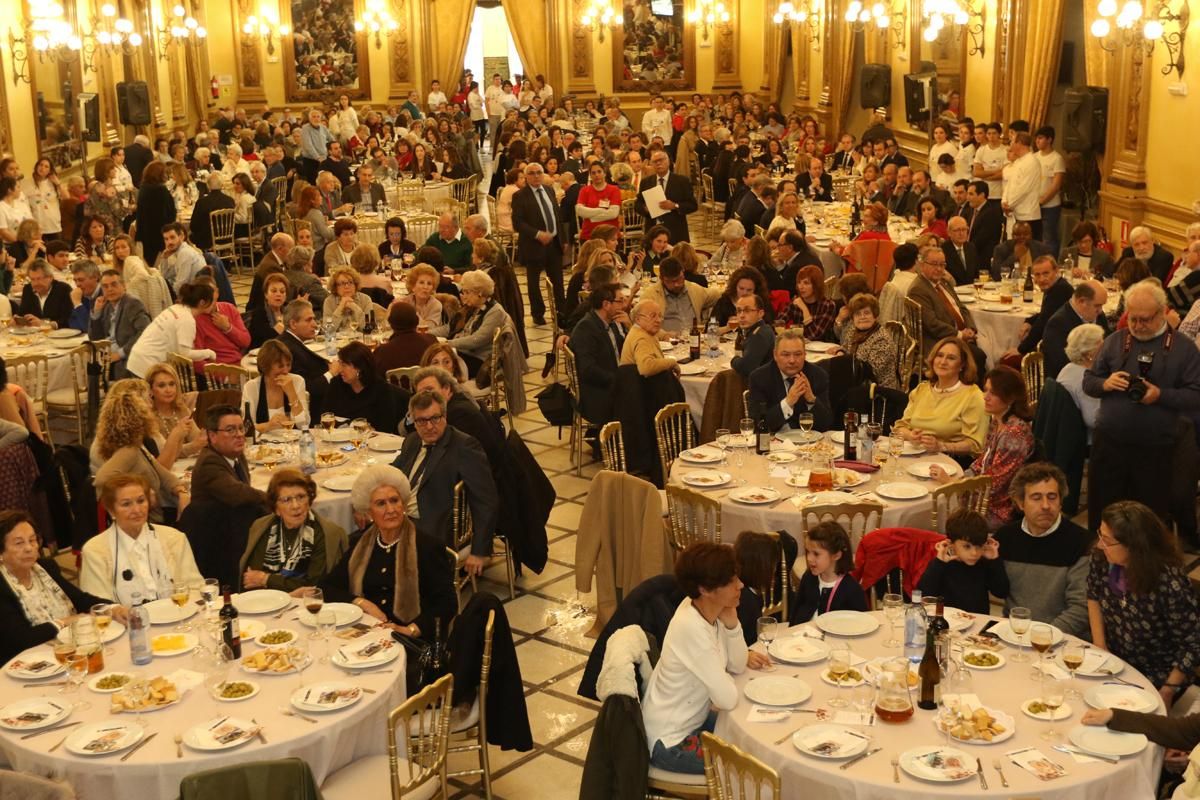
point(703, 646)
point(174, 330)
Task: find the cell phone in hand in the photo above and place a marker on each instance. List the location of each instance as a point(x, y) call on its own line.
point(987, 629)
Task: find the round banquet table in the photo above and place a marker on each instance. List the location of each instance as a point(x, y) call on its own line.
point(154, 771)
point(871, 779)
point(58, 366)
point(785, 513)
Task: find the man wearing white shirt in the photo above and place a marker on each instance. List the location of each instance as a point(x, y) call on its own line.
point(1054, 169)
point(495, 108)
point(436, 98)
point(657, 121)
point(1022, 185)
point(990, 160)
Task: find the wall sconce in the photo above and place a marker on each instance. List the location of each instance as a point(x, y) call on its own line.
point(1135, 27)
point(954, 18)
point(114, 34)
point(183, 30)
point(706, 14)
point(376, 20)
point(802, 15)
point(266, 28)
point(49, 35)
point(600, 17)
point(882, 18)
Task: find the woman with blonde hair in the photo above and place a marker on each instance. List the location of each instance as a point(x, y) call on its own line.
point(178, 435)
point(142, 281)
point(182, 188)
point(276, 398)
point(346, 305)
point(422, 282)
point(365, 260)
point(126, 421)
point(945, 413)
point(590, 253)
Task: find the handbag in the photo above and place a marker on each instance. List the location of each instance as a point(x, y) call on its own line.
point(425, 662)
point(556, 404)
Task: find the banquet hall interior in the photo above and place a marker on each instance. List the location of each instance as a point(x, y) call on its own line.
point(658, 265)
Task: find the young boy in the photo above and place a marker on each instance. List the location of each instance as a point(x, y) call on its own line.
point(968, 565)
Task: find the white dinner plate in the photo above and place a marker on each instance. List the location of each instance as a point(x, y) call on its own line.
point(280, 435)
point(103, 738)
point(938, 764)
point(339, 483)
point(23, 330)
point(912, 449)
point(186, 644)
point(702, 455)
point(692, 368)
point(1000, 660)
point(34, 665)
point(798, 650)
point(1062, 712)
point(1004, 720)
point(1004, 630)
point(706, 478)
point(326, 696)
point(342, 435)
point(94, 682)
point(385, 443)
point(64, 344)
point(777, 690)
point(250, 628)
point(958, 619)
point(373, 653)
point(801, 437)
point(921, 469)
point(33, 713)
point(781, 457)
point(847, 623)
point(901, 490)
point(222, 733)
point(1103, 742)
point(837, 437)
point(165, 612)
point(112, 632)
point(754, 495)
point(829, 741)
point(254, 688)
point(996, 307)
point(817, 498)
point(64, 333)
point(261, 601)
point(1118, 695)
point(961, 290)
point(258, 640)
point(967, 299)
point(1096, 664)
point(344, 613)
point(820, 347)
point(264, 453)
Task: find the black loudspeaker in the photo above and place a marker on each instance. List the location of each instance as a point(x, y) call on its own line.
point(133, 103)
point(42, 116)
point(1085, 120)
point(875, 86)
point(89, 116)
point(1066, 65)
point(920, 93)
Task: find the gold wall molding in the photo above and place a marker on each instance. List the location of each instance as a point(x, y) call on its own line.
point(726, 59)
point(6, 137)
point(249, 56)
point(580, 78)
point(400, 52)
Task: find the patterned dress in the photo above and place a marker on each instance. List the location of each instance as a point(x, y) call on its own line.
point(1154, 632)
point(1007, 448)
point(878, 350)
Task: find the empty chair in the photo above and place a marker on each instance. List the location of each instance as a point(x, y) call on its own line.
point(674, 432)
point(735, 775)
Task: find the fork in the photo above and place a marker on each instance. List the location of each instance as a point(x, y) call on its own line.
point(287, 712)
point(286, 609)
point(179, 745)
point(895, 770)
point(998, 766)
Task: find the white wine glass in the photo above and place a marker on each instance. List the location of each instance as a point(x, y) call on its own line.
point(1040, 638)
point(805, 422)
point(181, 591)
point(1072, 658)
point(839, 668)
point(722, 440)
point(102, 616)
point(1054, 692)
point(326, 626)
point(1019, 621)
point(767, 627)
point(893, 609)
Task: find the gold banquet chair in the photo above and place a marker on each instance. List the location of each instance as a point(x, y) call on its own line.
point(463, 529)
point(418, 735)
point(773, 604)
point(674, 432)
point(1033, 370)
point(72, 400)
point(579, 424)
point(969, 493)
point(693, 517)
point(736, 775)
point(32, 373)
point(185, 370)
point(860, 517)
point(612, 447)
point(226, 376)
point(474, 726)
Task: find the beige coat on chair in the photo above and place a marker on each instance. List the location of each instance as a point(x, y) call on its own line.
point(622, 540)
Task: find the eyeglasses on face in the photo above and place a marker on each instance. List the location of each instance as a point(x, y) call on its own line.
point(232, 430)
point(428, 421)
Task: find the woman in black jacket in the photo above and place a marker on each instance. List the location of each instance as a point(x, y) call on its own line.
point(359, 391)
point(155, 208)
point(36, 602)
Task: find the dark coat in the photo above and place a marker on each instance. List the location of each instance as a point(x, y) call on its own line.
point(963, 271)
point(767, 390)
point(137, 157)
point(679, 190)
point(749, 211)
point(16, 632)
point(822, 193)
point(527, 222)
point(155, 208)
point(641, 399)
point(1052, 300)
point(310, 366)
point(597, 366)
point(756, 351)
point(382, 404)
point(1059, 428)
point(200, 229)
point(260, 327)
point(986, 224)
point(936, 320)
point(526, 499)
point(618, 762)
point(58, 306)
point(132, 319)
point(404, 349)
point(1160, 261)
point(847, 596)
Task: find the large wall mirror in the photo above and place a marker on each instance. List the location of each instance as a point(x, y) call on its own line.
point(653, 49)
point(326, 57)
point(55, 86)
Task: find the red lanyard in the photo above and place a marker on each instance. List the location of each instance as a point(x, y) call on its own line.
point(832, 592)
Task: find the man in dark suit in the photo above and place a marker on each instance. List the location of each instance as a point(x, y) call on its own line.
point(706, 148)
point(985, 224)
point(300, 327)
point(200, 229)
point(435, 458)
point(463, 413)
point(681, 198)
point(894, 156)
point(816, 184)
point(759, 337)
point(792, 253)
point(1009, 253)
point(942, 313)
point(44, 298)
point(923, 187)
point(782, 390)
point(751, 207)
point(903, 202)
point(962, 262)
point(596, 341)
point(137, 156)
point(119, 318)
point(365, 190)
point(540, 241)
point(843, 158)
point(1056, 291)
point(959, 205)
point(1086, 305)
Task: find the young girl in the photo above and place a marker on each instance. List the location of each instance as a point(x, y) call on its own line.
point(827, 585)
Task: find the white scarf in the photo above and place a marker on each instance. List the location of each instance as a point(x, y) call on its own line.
point(160, 569)
point(43, 600)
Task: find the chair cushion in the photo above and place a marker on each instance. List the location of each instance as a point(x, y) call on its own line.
point(462, 723)
point(662, 496)
point(369, 778)
point(61, 397)
point(681, 778)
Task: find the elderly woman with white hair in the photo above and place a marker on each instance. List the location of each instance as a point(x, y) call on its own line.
point(234, 163)
point(1083, 343)
point(395, 575)
point(476, 324)
point(732, 252)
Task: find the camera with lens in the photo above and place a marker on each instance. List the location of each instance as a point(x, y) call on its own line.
point(1137, 383)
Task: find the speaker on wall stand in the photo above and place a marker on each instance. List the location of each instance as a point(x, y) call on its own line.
point(133, 103)
point(875, 86)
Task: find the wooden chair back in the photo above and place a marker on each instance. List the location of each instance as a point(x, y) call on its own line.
point(969, 493)
point(694, 517)
point(674, 431)
point(185, 370)
point(226, 376)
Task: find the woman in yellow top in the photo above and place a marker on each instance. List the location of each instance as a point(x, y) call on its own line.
point(641, 343)
point(945, 414)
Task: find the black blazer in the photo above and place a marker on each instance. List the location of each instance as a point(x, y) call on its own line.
point(1054, 337)
point(200, 230)
point(1052, 300)
point(16, 632)
point(903, 203)
point(455, 457)
point(382, 404)
point(986, 225)
point(1160, 261)
point(767, 390)
point(756, 351)
point(597, 366)
point(155, 208)
point(527, 221)
point(848, 596)
point(312, 368)
point(823, 193)
point(679, 190)
point(260, 326)
point(750, 211)
point(963, 271)
point(58, 305)
point(137, 157)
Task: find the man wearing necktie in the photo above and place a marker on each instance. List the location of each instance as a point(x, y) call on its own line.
point(680, 198)
point(539, 244)
point(596, 342)
point(942, 313)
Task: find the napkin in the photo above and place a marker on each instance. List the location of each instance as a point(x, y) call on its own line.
point(856, 466)
point(779, 471)
point(802, 476)
point(185, 679)
point(1036, 763)
point(1053, 670)
point(767, 714)
point(966, 701)
point(1097, 660)
point(1080, 758)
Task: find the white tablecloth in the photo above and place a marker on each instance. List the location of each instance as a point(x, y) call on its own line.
point(1000, 330)
point(820, 779)
point(154, 772)
point(433, 192)
point(58, 365)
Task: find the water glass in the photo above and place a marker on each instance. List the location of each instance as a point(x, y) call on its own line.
point(326, 627)
point(1054, 692)
point(722, 440)
point(893, 609)
point(767, 626)
point(839, 666)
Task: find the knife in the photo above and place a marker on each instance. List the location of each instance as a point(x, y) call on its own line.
point(1062, 748)
point(138, 746)
point(260, 735)
point(982, 778)
point(50, 729)
point(860, 757)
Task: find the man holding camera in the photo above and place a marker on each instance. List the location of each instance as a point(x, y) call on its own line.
point(1147, 378)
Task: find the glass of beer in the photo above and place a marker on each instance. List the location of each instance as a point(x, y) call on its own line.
point(361, 428)
point(1072, 658)
point(64, 646)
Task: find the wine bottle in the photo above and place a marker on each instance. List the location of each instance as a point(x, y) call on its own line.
point(231, 631)
point(694, 340)
point(938, 623)
point(1027, 289)
point(850, 437)
point(929, 672)
point(739, 341)
point(248, 424)
point(763, 439)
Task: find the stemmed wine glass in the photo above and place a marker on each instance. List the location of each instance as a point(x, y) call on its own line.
point(180, 592)
point(1040, 637)
point(839, 667)
point(805, 422)
point(314, 600)
point(102, 616)
point(138, 693)
point(77, 670)
point(326, 627)
point(722, 440)
point(893, 609)
point(1053, 695)
point(1018, 621)
point(360, 427)
point(1072, 659)
point(767, 627)
point(746, 428)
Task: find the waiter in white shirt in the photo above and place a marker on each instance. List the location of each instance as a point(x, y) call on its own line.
point(657, 121)
point(1022, 185)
